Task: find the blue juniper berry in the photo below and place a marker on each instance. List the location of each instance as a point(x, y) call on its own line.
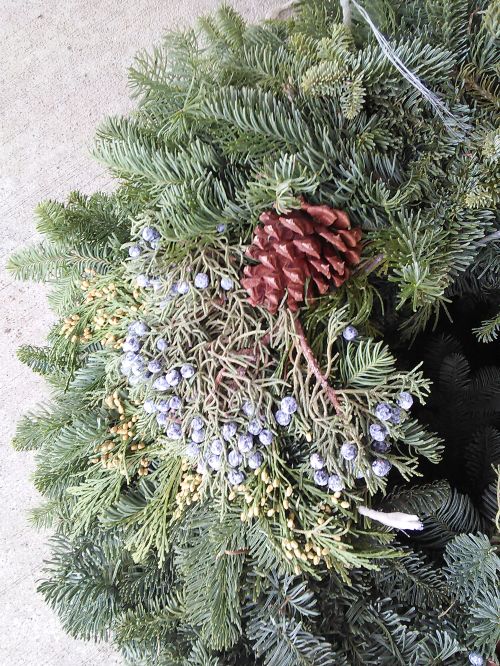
point(265, 437)
point(335, 483)
point(201, 280)
point(316, 461)
point(381, 467)
point(350, 333)
point(349, 451)
point(405, 400)
point(321, 477)
point(282, 418)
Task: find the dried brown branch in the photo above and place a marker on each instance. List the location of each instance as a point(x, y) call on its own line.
point(313, 364)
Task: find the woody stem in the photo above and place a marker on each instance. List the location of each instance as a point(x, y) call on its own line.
point(313, 364)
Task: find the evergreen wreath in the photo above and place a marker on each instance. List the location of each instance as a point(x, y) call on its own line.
point(267, 444)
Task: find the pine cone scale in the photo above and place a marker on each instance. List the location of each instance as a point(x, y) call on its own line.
point(336, 263)
point(298, 225)
point(309, 246)
point(322, 285)
point(294, 275)
point(353, 257)
point(322, 267)
point(327, 216)
point(351, 237)
point(333, 239)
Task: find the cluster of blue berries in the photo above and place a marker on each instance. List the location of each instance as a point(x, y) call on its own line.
point(139, 367)
point(385, 413)
point(239, 448)
point(172, 378)
point(201, 282)
point(379, 432)
point(150, 238)
point(349, 450)
point(288, 407)
point(321, 477)
point(476, 659)
point(168, 410)
point(134, 365)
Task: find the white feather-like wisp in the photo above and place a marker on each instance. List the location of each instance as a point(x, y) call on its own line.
point(400, 521)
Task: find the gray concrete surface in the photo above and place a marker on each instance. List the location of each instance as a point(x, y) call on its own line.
point(63, 69)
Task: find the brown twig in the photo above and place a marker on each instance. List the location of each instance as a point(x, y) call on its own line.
point(447, 610)
point(472, 84)
point(314, 365)
point(219, 377)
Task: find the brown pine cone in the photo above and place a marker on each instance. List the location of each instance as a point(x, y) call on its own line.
point(303, 254)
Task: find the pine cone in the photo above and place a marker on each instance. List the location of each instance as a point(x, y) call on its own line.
point(303, 254)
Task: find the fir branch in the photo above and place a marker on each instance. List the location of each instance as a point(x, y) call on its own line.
point(43, 360)
point(284, 641)
point(211, 579)
point(489, 329)
point(46, 262)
